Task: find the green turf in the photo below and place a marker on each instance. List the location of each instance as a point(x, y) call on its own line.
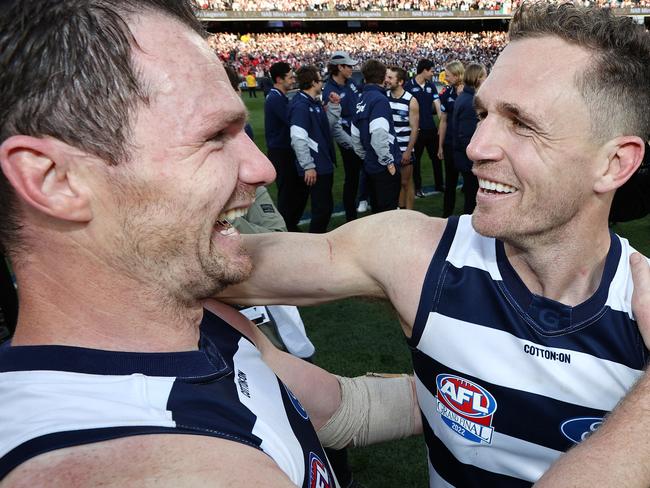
point(354, 336)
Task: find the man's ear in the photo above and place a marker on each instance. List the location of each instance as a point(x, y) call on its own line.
point(40, 172)
point(624, 156)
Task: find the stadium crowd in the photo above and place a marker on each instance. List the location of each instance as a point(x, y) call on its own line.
point(505, 6)
point(246, 52)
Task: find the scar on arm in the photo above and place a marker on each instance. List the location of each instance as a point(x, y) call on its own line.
point(330, 251)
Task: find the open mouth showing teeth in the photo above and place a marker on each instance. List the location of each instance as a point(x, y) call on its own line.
point(495, 188)
point(223, 224)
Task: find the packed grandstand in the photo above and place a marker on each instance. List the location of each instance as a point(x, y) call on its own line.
point(385, 5)
point(250, 51)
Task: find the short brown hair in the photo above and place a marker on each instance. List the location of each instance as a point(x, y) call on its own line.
point(374, 71)
point(616, 84)
point(67, 72)
point(400, 73)
point(306, 76)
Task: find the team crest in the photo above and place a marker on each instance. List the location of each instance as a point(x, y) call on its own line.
point(466, 408)
point(319, 477)
point(296, 403)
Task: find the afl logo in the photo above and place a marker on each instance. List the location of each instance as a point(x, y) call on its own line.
point(319, 477)
point(296, 403)
point(578, 429)
point(467, 408)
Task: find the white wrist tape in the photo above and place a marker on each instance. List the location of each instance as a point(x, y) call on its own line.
point(374, 408)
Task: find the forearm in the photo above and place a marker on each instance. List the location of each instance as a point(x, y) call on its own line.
point(300, 145)
point(442, 131)
point(413, 138)
point(338, 133)
point(319, 268)
point(356, 143)
point(380, 142)
point(373, 408)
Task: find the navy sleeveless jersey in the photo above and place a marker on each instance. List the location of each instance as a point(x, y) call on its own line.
point(223, 389)
point(508, 380)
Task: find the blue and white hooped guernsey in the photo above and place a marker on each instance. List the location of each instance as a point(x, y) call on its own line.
point(508, 380)
point(59, 396)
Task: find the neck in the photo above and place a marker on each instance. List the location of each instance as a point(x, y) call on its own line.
point(420, 79)
point(567, 270)
point(397, 91)
point(280, 88)
point(78, 304)
point(339, 78)
point(312, 92)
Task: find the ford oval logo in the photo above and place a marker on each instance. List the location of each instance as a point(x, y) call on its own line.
point(578, 429)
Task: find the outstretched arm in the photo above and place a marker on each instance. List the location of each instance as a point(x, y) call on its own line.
point(384, 255)
point(618, 453)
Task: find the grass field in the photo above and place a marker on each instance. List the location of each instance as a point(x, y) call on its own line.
point(355, 336)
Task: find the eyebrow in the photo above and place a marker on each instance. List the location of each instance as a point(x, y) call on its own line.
point(513, 110)
point(238, 117)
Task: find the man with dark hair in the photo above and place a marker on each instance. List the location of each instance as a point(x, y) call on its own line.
point(312, 143)
point(422, 87)
point(406, 114)
point(278, 142)
point(374, 139)
point(518, 316)
point(124, 158)
point(340, 82)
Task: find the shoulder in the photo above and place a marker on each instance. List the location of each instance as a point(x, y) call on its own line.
point(163, 460)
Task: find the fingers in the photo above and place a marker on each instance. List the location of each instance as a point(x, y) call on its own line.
point(641, 295)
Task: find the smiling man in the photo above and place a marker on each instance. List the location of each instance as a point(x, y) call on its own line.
point(518, 316)
point(123, 160)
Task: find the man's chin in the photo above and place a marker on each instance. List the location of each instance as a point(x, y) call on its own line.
point(483, 225)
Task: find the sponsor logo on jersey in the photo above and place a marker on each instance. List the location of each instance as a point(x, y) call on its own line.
point(467, 408)
point(296, 403)
point(319, 477)
point(361, 107)
point(579, 428)
point(242, 381)
point(428, 89)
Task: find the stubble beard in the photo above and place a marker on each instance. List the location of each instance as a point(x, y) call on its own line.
point(174, 260)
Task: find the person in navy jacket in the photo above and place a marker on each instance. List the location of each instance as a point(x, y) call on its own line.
point(278, 142)
point(374, 139)
point(340, 67)
point(463, 127)
point(312, 142)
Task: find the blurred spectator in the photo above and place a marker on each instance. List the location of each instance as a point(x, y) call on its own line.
point(251, 84)
point(463, 127)
point(340, 67)
point(454, 73)
point(423, 88)
point(278, 141)
point(312, 143)
point(374, 139)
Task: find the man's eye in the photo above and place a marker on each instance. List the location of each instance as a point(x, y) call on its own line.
point(218, 137)
point(519, 125)
point(481, 116)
